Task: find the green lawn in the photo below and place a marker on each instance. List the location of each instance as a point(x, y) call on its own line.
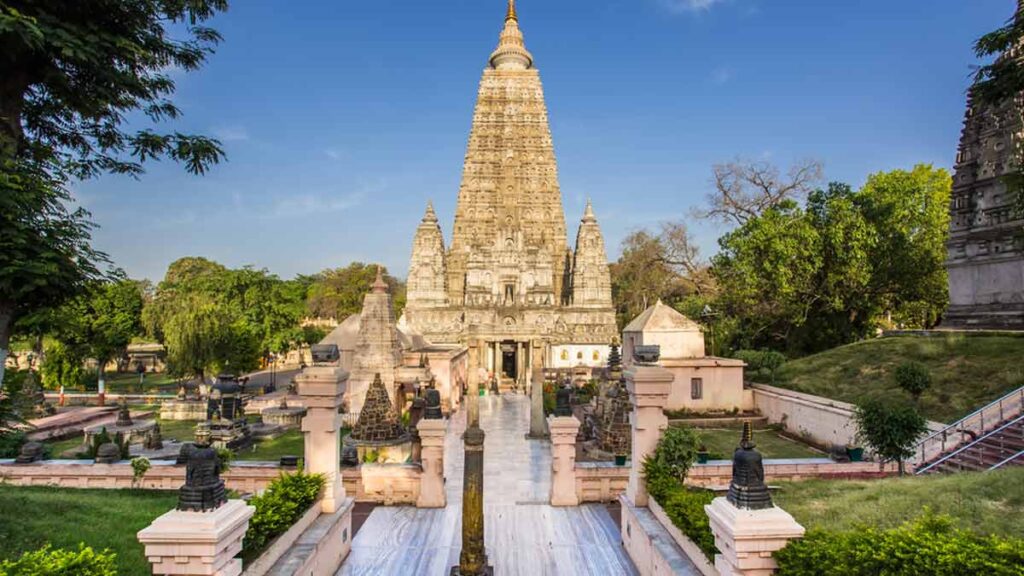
point(290, 443)
point(129, 383)
point(986, 502)
point(722, 442)
point(967, 371)
point(35, 516)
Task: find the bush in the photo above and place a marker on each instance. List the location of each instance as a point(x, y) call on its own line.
point(280, 506)
point(48, 562)
point(11, 442)
point(914, 378)
point(676, 452)
point(763, 363)
point(930, 545)
point(889, 429)
point(665, 469)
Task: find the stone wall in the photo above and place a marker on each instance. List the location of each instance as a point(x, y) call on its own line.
point(600, 481)
point(819, 420)
point(389, 485)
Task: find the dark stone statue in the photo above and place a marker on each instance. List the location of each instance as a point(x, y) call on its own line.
point(30, 452)
point(108, 453)
point(154, 439)
point(124, 415)
point(325, 354)
point(647, 354)
point(563, 401)
point(433, 408)
point(225, 399)
point(748, 490)
point(203, 489)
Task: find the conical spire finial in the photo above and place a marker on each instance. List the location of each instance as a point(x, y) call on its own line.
point(511, 15)
point(588, 213)
point(511, 53)
point(430, 216)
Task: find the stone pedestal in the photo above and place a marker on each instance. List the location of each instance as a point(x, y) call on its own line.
point(322, 389)
point(563, 460)
point(203, 543)
point(432, 435)
point(649, 387)
point(748, 538)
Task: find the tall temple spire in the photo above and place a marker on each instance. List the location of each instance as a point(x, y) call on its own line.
point(511, 53)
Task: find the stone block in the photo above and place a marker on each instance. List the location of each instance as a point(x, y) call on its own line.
point(200, 543)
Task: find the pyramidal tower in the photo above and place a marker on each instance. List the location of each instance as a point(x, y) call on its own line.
point(509, 276)
point(985, 252)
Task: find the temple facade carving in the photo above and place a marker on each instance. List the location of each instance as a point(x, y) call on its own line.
point(509, 275)
point(985, 249)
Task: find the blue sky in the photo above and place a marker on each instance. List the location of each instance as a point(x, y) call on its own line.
point(341, 119)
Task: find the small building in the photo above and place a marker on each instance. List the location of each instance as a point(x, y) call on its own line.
point(702, 383)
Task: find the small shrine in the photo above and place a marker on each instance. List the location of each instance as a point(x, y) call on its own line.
point(225, 414)
point(132, 431)
point(379, 435)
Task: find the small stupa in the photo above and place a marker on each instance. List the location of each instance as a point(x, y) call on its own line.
point(379, 436)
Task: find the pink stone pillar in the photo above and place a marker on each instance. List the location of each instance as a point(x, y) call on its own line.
point(747, 539)
point(322, 389)
point(203, 543)
point(432, 436)
point(563, 460)
point(649, 387)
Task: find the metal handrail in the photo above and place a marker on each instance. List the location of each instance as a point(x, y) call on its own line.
point(1007, 461)
point(959, 425)
point(970, 445)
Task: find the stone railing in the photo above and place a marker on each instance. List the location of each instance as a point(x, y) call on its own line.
point(600, 481)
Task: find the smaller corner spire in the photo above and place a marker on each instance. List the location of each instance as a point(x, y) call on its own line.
point(588, 212)
point(430, 215)
point(511, 15)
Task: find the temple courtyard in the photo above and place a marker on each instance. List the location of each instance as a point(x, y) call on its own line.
point(524, 533)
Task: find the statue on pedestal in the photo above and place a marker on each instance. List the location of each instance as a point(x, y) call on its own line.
point(203, 490)
point(748, 490)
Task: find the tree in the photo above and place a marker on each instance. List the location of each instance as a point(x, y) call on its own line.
point(339, 293)
point(745, 189)
point(890, 429)
point(914, 378)
point(202, 337)
point(909, 214)
point(71, 71)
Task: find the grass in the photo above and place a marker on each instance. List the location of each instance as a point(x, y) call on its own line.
point(34, 516)
point(967, 371)
point(722, 442)
point(290, 443)
point(129, 383)
point(985, 502)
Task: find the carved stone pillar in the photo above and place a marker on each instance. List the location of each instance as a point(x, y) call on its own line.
point(322, 389)
point(537, 423)
point(649, 387)
point(474, 375)
point(563, 460)
point(473, 558)
point(432, 436)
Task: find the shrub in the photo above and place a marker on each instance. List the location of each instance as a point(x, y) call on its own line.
point(914, 378)
point(139, 468)
point(889, 429)
point(762, 362)
point(930, 545)
point(280, 506)
point(665, 469)
point(676, 452)
point(49, 562)
point(11, 442)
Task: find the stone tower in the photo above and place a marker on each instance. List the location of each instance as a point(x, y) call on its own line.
point(591, 280)
point(985, 251)
point(427, 270)
point(508, 276)
point(377, 348)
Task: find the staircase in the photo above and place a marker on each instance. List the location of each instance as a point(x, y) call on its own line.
point(987, 439)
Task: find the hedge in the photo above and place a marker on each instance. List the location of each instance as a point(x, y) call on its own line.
point(929, 546)
point(279, 507)
point(49, 562)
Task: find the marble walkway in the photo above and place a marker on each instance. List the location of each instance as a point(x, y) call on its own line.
point(525, 536)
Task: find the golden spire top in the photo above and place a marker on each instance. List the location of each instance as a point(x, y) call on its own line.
point(511, 11)
point(511, 53)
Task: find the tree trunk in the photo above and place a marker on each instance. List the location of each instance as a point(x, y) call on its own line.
point(6, 323)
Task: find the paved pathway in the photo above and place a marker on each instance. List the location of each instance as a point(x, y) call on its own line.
point(525, 536)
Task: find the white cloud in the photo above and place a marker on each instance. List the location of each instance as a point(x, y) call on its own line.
point(690, 5)
point(722, 75)
point(230, 133)
point(334, 153)
point(297, 205)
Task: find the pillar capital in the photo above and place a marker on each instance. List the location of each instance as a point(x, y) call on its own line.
point(563, 431)
point(205, 543)
point(432, 438)
point(748, 538)
point(649, 386)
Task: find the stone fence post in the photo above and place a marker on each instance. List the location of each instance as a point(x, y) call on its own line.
point(747, 539)
point(322, 388)
point(432, 437)
point(649, 387)
point(563, 432)
point(206, 543)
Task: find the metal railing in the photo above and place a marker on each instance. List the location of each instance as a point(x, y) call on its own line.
point(970, 445)
point(969, 428)
point(1008, 460)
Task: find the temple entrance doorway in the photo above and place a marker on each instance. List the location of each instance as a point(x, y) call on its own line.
point(509, 364)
